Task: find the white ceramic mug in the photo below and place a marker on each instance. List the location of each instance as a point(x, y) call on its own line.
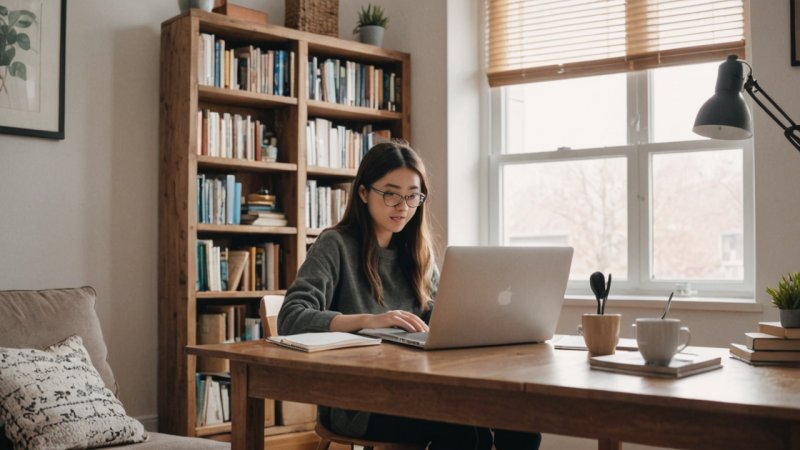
point(659, 339)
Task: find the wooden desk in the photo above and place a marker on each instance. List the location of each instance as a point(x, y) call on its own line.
point(522, 387)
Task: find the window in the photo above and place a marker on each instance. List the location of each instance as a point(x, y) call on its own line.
point(593, 103)
point(608, 164)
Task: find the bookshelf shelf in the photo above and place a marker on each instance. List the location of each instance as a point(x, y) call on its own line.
point(185, 167)
point(243, 98)
point(244, 229)
point(241, 164)
point(322, 172)
point(236, 294)
point(344, 112)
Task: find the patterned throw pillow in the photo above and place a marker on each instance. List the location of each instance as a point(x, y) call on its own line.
point(54, 399)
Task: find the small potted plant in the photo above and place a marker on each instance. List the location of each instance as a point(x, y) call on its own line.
point(371, 23)
point(786, 297)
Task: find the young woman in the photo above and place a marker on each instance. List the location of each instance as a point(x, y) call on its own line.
point(376, 269)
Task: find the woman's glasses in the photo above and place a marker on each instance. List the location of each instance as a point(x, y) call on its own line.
point(392, 199)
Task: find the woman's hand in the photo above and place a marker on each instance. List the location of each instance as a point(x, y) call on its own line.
point(395, 318)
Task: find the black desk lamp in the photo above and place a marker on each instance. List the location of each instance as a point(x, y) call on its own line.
point(726, 116)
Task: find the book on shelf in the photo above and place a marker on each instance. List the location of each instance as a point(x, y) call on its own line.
point(316, 342)
point(265, 221)
point(764, 341)
point(758, 357)
point(775, 329)
point(213, 412)
point(632, 363)
point(264, 218)
point(213, 398)
point(208, 266)
point(211, 329)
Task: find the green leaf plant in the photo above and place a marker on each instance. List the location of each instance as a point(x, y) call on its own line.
point(12, 38)
point(787, 294)
point(371, 15)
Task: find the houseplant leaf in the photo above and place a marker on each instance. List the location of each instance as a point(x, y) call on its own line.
point(18, 70)
point(7, 56)
point(24, 41)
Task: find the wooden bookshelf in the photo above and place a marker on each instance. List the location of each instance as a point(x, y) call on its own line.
point(181, 97)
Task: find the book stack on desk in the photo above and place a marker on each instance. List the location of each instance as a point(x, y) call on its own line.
point(772, 344)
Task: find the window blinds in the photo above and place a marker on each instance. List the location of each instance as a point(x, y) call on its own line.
point(533, 40)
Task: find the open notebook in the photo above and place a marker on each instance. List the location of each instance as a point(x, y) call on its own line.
point(315, 342)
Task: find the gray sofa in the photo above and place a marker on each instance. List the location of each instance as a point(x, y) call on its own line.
point(38, 319)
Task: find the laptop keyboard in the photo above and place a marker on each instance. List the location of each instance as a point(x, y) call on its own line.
point(419, 337)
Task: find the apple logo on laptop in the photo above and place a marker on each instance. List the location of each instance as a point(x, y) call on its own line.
point(504, 297)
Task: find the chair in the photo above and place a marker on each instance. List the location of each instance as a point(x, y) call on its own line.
point(268, 310)
point(327, 437)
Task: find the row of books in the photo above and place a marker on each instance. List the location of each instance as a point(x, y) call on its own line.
point(249, 268)
point(213, 399)
point(353, 84)
point(219, 199)
point(248, 68)
point(235, 136)
point(330, 145)
point(772, 344)
point(325, 205)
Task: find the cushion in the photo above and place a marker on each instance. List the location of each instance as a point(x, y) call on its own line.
point(36, 319)
point(54, 398)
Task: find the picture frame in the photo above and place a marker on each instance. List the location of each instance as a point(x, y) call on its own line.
point(794, 15)
point(32, 72)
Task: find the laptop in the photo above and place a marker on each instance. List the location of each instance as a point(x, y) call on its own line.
point(492, 296)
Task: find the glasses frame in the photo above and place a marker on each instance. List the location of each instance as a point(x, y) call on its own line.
point(403, 198)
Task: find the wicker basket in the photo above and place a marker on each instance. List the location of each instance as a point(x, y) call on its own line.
point(314, 16)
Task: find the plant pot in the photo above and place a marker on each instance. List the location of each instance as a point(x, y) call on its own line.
point(600, 333)
point(371, 34)
point(790, 318)
point(206, 5)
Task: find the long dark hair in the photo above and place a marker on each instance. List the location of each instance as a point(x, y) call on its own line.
point(413, 242)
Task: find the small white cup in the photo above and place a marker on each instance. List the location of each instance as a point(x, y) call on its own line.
point(659, 339)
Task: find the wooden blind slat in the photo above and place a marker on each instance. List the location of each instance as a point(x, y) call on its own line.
point(532, 40)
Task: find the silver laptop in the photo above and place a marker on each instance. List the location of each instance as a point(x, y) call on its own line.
point(493, 296)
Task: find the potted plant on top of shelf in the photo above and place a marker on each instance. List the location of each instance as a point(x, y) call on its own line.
point(371, 24)
point(787, 299)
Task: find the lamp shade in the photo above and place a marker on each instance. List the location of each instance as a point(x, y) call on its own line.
point(726, 115)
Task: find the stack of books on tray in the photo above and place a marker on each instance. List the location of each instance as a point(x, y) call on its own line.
point(772, 344)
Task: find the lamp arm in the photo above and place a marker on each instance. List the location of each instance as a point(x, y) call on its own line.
point(790, 131)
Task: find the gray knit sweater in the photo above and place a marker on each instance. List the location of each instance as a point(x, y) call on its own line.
point(330, 282)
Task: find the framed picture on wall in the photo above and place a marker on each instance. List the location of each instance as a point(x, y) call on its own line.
point(32, 67)
point(794, 13)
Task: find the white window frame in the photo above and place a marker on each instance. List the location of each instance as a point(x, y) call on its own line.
point(638, 154)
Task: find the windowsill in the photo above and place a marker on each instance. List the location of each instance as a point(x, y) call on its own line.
point(678, 304)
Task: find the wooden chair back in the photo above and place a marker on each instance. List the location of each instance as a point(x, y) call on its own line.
point(268, 310)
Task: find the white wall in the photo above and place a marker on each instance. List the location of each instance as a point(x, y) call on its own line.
point(83, 211)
